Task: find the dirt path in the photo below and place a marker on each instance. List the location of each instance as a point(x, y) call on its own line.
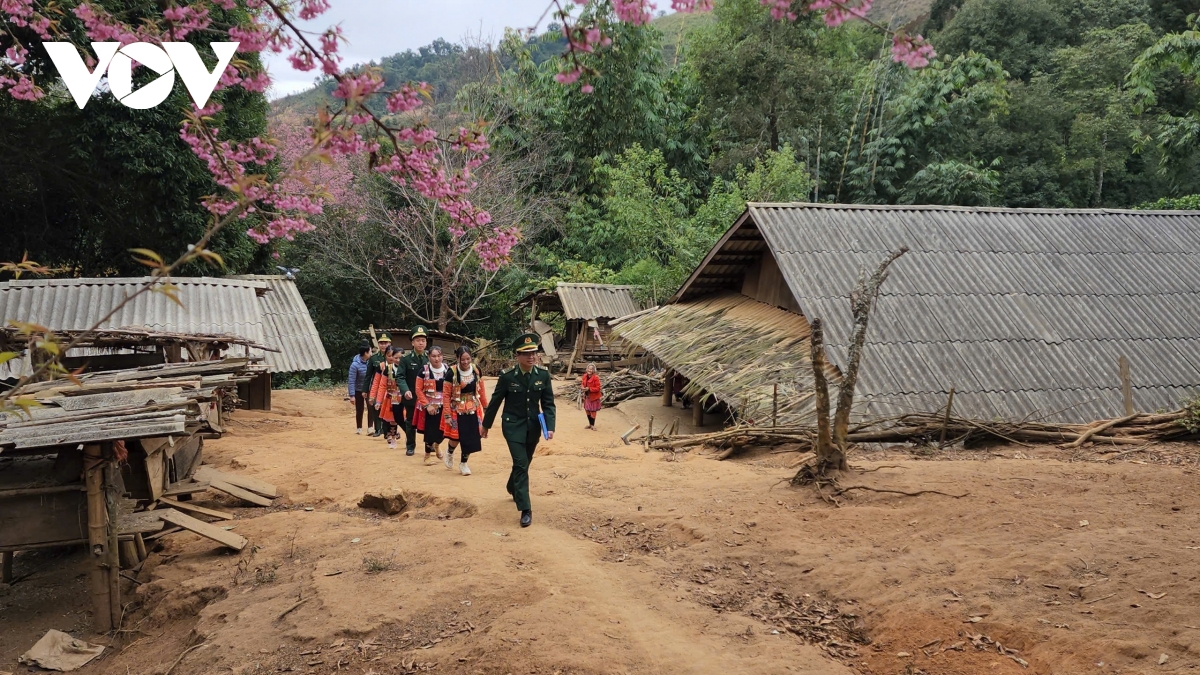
point(636, 564)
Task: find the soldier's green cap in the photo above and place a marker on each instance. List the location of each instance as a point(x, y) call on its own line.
point(384, 338)
point(419, 331)
point(526, 342)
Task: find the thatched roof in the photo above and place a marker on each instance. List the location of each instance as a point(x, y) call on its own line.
point(736, 349)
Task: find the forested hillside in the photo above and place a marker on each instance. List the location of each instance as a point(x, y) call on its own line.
point(1030, 103)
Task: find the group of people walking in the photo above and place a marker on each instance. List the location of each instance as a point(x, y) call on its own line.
point(420, 393)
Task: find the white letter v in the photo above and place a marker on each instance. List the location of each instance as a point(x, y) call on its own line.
point(199, 82)
point(74, 71)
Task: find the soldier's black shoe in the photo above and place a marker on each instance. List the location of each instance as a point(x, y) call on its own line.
point(410, 451)
point(526, 518)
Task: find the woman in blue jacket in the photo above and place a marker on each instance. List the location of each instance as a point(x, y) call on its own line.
point(356, 383)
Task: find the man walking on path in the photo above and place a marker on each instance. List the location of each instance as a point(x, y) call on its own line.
point(524, 389)
point(411, 365)
point(378, 427)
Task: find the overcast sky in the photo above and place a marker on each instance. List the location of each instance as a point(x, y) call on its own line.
point(378, 28)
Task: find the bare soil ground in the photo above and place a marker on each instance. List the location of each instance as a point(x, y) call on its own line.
point(650, 563)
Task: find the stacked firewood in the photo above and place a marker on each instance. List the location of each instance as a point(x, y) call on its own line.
point(618, 386)
point(940, 429)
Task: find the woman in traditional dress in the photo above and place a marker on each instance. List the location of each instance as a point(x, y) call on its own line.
point(592, 394)
point(429, 403)
point(386, 394)
point(464, 397)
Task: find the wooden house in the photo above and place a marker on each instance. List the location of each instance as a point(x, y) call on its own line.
point(1024, 313)
point(587, 311)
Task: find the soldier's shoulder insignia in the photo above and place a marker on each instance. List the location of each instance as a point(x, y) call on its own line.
point(507, 370)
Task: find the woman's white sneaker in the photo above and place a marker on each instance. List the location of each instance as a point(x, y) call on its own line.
point(466, 470)
point(449, 459)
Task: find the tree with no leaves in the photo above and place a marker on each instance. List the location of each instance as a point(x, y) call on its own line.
point(832, 445)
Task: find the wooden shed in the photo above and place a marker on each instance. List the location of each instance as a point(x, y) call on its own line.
point(586, 310)
point(259, 316)
point(100, 460)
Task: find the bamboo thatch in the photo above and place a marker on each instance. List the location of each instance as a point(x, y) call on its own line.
point(735, 349)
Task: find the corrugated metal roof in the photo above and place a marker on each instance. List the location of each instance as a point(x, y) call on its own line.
point(288, 326)
point(596, 301)
point(211, 305)
point(1025, 312)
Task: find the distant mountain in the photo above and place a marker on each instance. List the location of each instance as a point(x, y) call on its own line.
point(446, 65)
point(898, 13)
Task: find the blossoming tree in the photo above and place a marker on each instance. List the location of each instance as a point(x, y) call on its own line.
point(398, 145)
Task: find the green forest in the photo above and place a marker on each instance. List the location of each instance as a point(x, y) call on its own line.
point(1030, 103)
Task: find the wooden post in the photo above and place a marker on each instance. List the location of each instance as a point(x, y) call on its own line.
point(668, 379)
point(698, 411)
point(140, 543)
point(1126, 385)
point(112, 502)
point(6, 565)
point(128, 552)
point(650, 429)
point(97, 515)
point(775, 405)
point(946, 422)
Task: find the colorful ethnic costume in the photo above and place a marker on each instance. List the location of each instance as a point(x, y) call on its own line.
point(465, 399)
point(429, 406)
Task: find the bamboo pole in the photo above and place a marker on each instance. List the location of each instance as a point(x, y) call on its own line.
point(97, 514)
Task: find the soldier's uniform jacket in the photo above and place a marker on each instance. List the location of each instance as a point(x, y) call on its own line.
point(411, 365)
point(524, 396)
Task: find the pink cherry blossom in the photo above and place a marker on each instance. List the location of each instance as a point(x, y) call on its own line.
point(912, 51)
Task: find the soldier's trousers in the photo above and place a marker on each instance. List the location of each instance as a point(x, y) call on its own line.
point(521, 450)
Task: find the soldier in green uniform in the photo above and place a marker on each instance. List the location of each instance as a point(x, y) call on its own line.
point(410, 366)
point(523, 389)
point(378, 426)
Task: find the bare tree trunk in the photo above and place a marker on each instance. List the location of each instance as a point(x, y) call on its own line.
point(826, 453)
point(1099, 198)
point(861, 301)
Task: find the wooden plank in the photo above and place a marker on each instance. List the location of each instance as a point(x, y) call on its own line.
point(235, 491)
point(252, 484)
point(1126, 385)
point(195, 508)
point(115, 399)
point(190, 487)
point(39, 518)
point(230, 539)
point(156, 473)
point(45, 544)
point(170, 530)
point(142, 522)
